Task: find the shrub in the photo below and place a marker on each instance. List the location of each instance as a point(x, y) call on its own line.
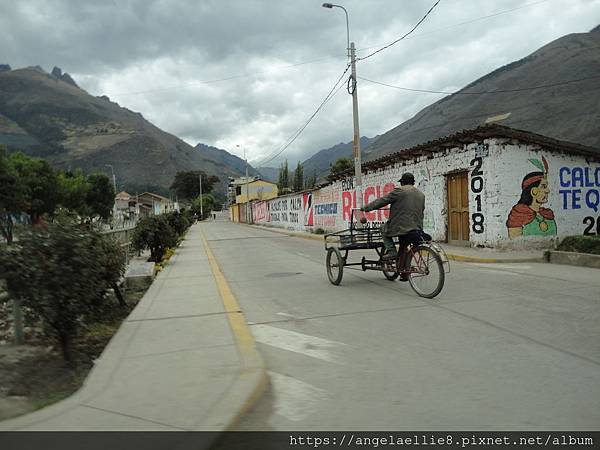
point(156, 234)
point(580, 244)
point(62, 273)
point(178, 222)
point(319, 231)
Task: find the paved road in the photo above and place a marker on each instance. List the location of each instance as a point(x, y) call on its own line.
point(503, 347)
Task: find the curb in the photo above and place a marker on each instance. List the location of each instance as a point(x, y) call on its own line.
point(314, 237)
point(574, 259)
point(252, 381)
point(451, 256)
point(476, 259)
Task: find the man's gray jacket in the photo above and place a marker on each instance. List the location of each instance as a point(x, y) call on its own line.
point(406, 210)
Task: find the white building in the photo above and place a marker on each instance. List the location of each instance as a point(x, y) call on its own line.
point(492, 186)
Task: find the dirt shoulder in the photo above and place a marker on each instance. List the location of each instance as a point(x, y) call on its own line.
point(35, 375)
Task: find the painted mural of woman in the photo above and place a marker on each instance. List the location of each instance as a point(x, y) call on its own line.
point(528, 217)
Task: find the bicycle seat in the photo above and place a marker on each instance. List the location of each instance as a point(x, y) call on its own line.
point(416, 237)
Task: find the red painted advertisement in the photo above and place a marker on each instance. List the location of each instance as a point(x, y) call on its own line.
point(308, 209)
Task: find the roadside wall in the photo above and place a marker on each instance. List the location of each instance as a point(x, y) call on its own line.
point(569, 196)
point(496, 167)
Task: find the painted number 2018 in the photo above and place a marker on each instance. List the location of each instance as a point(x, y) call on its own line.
point(590, 221)
point(477, 218)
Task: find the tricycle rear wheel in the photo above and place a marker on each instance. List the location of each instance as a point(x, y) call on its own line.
point(334, 262)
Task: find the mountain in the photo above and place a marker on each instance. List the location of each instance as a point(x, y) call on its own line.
point(321, 160)
point(562, 109)
point(269, 173)
point(49, 116)
point(224, 157)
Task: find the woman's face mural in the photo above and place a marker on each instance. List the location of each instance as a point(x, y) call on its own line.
point(528, 217)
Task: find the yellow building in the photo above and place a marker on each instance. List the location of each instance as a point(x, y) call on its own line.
point(253, 189)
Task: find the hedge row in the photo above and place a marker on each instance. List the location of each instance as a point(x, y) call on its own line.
point(157, 233)
point(580, 244)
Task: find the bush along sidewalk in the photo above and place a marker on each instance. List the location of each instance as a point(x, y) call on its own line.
point(160, 233)
point(61, 274)
point(580, 244)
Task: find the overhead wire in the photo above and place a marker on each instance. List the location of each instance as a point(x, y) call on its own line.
point(334, 90)
point(219, 80)
point(302, 63)
point(404, 36)
point(498, 91)
point(458, 24)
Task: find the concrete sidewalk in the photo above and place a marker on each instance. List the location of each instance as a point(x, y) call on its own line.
point(183, 360)
point(454, 252)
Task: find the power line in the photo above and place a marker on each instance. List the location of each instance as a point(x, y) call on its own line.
point(475, 19)
point(302, 63)
point(334, 90)
point(499, 91)
point(403, 37)
point(219, 80)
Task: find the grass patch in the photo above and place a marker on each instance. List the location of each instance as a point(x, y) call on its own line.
point(580, 244)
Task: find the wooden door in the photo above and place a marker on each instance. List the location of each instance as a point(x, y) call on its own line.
point(458, 208)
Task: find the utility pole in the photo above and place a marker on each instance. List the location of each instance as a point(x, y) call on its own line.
point(356, 143)
point(247, 195)
point(113, 177)
point(18, 322)
point(352, 89)
point(246, 215)
point(115, 189)
point(201, 209)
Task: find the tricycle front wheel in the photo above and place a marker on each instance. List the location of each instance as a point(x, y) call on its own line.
point(334, 262)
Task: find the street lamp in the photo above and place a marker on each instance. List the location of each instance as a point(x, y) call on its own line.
point(352, 89)
point(247, 196)
point(330, 6)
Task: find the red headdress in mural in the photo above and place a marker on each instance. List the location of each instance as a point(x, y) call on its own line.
point(521, 214)
point(543, 166)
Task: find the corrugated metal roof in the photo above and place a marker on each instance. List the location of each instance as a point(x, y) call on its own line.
point(471, 136)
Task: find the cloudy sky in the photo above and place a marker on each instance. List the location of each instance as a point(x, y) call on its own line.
point(249, 73)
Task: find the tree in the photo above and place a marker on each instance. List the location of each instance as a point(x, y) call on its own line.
point(100, 198)
point(11, 197)
point(341, 165)
point(298, 178)
point(186, 185)
point(311, 182)
point(156, 234)
point(283, 183)
point(178, 222)
point(209, 203)
point(73, 191)
point(62, 273)
point(41, 192)
point(89, 197)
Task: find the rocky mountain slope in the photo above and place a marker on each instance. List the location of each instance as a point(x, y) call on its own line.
point(321, 160)
point(561, 107)
point(224, 157)
point(47, 115)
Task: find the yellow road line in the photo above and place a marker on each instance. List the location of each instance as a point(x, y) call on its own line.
point(253, 366)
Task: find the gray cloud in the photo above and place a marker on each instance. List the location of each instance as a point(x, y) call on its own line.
point(153, 56)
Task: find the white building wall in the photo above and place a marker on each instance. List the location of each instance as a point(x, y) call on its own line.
point(573, 197)
point(284, 212)
point(496, 169)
